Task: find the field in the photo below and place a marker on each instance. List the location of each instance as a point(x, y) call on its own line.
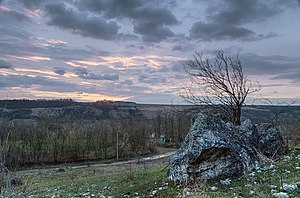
point(149, 179)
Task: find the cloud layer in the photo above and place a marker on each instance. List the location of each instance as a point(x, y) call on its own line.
point(136, 49)
point(86, 74)
point(149, 20)
point(5, 65)
point(227, 20)
point(67, 18)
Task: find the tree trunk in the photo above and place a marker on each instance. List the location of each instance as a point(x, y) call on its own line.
point(237, 115)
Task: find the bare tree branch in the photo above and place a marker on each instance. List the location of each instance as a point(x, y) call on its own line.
point(219, 83)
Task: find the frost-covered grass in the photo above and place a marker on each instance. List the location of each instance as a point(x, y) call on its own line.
point(280, 179)
point(92, 182)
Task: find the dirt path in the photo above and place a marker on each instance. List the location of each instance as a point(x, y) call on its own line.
point(115, 167)
point(136, 164)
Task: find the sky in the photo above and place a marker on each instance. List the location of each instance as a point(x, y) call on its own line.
point(135, 50)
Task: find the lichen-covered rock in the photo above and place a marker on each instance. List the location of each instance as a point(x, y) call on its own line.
point(215, 149)
point(249, 132)
point(270, 142)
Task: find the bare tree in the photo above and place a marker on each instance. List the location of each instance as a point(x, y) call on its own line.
point(219, 83)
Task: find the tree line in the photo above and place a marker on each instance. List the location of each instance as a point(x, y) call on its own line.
point(49, 142)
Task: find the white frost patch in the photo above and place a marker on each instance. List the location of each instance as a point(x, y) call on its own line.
point(153, 193)
point(225, 182)
point(289, 187)
point(273, 186)
point(213, 188)
point(281, 195)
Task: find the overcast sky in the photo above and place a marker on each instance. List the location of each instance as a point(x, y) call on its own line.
point(134, 50)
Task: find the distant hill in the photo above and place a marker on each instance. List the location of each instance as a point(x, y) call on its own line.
point(29, 104)
point(67, 109)
point(70, 110)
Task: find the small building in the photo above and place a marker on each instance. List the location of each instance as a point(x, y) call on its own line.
point(164, 139)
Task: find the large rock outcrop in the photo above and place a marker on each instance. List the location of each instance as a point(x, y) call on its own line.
point(216, 149)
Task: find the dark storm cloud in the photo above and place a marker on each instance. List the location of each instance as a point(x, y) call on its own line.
point(236, 12)
point(13, 23)
point(13, 30)
point(7, 16)
point(33, 4)
point(152, 79)
point(80, 23)
point(133, 9)
point(60, 71)
point(293, 76)
point(55, 52)
point(226, 19)
point(222, 31)
point(148, 18)
point(152, 32)
point(111, 8)
point(86, 74)
point(80, 71)
point(260, 65)
point(93, 76)
point(183, 48)
point(281, 67)
point(28, 81)
point(5, 65)
point(26, 48)
point(44, 84)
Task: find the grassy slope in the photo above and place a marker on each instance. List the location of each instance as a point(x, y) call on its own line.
point(260, 181)
point(85, 182)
